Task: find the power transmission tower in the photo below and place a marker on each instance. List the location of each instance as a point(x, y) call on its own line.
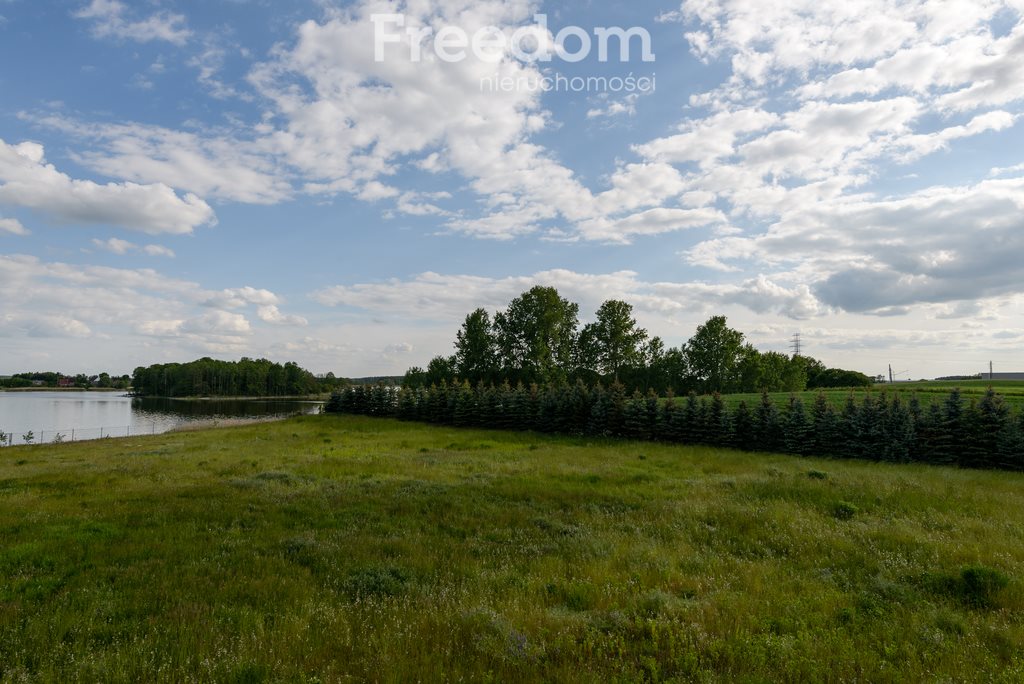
point(798, 345)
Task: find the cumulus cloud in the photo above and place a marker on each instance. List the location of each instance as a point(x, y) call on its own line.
point(59, 300)
point(217, 164)
point(158, 250)
point(110, 19)
point(271, 314)
point(12, 226)
point(122, 247)
point(114, 245)
point(27, 181)
point(433, 296)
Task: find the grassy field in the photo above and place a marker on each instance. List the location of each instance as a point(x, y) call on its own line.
point(329, 549)
point(927, 392)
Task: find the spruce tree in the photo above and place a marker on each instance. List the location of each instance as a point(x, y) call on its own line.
point(597, 424)
point(690, 425)
point(744, 429)
point(465, 413)
point(671, 425)
point(955, 427)
point(635, 417)
point(798, 428)
point(616, 407)
point(849, 419)
point(825, 433)
point(1010, 444)
point(768, 425)
point(717, 424)
point(652, 410)
point(937, 440)
point(668, 421)
point(991, 420)
point(899, 432)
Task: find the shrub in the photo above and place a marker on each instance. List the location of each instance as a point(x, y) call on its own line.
point(375, 581)
point(844, 510)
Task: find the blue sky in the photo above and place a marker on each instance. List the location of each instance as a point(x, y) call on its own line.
point(227, 178)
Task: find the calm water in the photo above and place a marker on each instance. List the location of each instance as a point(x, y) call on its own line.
point(90, 415)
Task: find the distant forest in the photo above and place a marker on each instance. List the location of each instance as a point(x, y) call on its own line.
point(538, 340)
point(54, 379)
point(246, 378)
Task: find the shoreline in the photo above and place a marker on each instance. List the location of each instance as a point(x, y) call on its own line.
point(312, 398)
point(105, 390)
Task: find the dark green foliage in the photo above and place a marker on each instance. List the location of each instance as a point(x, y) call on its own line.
point(976, 586)
point(1010, 445)
point(690, 425)
point(743, 429)
point(248, 378)
point(844, 510)
point(868, 431)
point(375, 581)
point(898, 427)
point(798, 428)
point(670, 421)
point(467, 412)
point(985, 435)
point(988, 426)
point(826, 432)
point(768, 427)
point(717, 425)
point(635, 417)
point(652, 414)
point(955, 429)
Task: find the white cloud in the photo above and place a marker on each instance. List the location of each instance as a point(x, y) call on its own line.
point(122, 247)
point(612, 108)
point(12, 226)
point(271, 314)
point(26, 180)
point(108, 18)
point(236, 298)
point(217, 164)
point(115, 245)
point(158, 250)
point(868, 254)
point(433, 296)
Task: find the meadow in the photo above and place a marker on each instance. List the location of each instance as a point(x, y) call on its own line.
point(926, 391)
point(341, 548)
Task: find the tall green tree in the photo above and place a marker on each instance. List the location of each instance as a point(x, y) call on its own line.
point(713, 356)
point(618, 339)
point(536, 336)
point(476, 350)
point(440, 371)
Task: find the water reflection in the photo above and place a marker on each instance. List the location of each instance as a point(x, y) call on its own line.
point(56, 416)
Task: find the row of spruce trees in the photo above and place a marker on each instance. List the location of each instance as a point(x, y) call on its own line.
point(981, 433)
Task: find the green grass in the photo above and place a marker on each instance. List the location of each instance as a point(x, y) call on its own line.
point(927, 392)
point(331, 548)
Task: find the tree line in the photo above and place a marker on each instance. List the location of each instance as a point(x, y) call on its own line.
point(538, 339)
point(246, 378)
point(53, 379)
point(981, 433)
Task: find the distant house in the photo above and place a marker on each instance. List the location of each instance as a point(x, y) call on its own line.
point(66, 382)
point(1002, 376)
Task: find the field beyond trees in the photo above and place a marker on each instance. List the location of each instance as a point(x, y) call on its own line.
point(329, 548)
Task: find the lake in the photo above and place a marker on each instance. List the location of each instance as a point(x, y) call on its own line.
point(93, 415)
